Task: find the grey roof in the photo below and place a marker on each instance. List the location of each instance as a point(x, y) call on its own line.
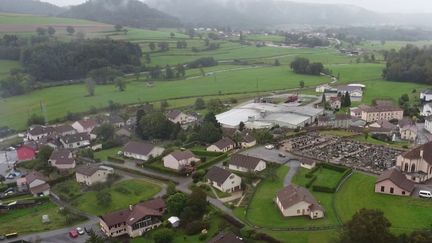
point(224, 143)
point(87, 170)
point(64, 128)
point(244, 161)
point(62, 156)
point(427, 91)
point(39, 130)
point(218, 175)
point(399, 179)
point(114, 119)
point(291, 195)
point(173, 114)
point(73, 138)
point(142, 148)
point(182, 155)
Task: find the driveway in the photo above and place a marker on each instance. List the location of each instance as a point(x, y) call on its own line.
point(418, 187)
point(294, 165)
point(270, 155)
point(7, 159)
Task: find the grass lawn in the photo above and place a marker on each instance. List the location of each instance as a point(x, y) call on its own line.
point(103, 154)
point(271, 218)
point(405, 213)
point(328, 236)
point(30, 219)
point(371, 140)
point(138, 190)
point(325, 177)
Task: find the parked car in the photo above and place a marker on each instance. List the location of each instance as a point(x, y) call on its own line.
point(2, 237)
point(269, 146)
point(73, 233)
point(282, 155)
point(80, 230)
point(425, 194)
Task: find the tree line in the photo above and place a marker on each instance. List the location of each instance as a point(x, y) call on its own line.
point(302, 65)
point(409, 64)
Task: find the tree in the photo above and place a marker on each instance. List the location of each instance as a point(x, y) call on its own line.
point(51, 31)
point(323, 100)
point(211, 118)
point(105, 132)
point(147, 58)
point(191, 33)
point(196, 206)
point(163, 236)
point(103, 198)
point(176, 203)
point(41, 31)
point(367, 225)
point(163, 46)
point(118, 27)
point(45, 153)
point(347, 99)
point(70, 30)
point(169, 73)
point(403, 99)
point(164, 105)
point(120, 84)
point(90, 86)
point(263, 136)
point(209, 133)
point(35, 120)
point(104, 75)
point(156, 125)
point(215, 105)
point(276, 63)
point(199, 104)
point(300, 65)
point(152, 46)
point(180, 70)
point(302, 84)
point(94, 238)
point(241, 126)
point(172, 35)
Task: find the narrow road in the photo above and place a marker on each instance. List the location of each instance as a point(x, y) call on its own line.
point(294, 165)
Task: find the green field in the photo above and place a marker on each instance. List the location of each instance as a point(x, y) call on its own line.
point(6, 18)
point(137, 190)
point(6, 66)
point(30, 219)
point(103, 154)
point(325, 177)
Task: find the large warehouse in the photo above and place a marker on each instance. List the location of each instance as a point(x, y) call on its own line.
point(266, 115)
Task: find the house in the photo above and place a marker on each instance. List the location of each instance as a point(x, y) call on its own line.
point(393, 182)
point(226, 237)
point(355, 112)
point(307, 163)
point(223, 180)
point(125, 131)
point(85, 126)
point(178, 160)
point(426, 95)
point(428, 124)
point(26, 153)
point(176, 116)
point(141, 150)
point(36, 183)
point(321, 88)
point(62, 159)
point(335, 103)
point(75, 141)
point(247, 141)
point(381, 112)
point(37, 132)
point(245, 163)
point(416, 163)
point(135, 220)
point(115, 120)
point(331, 92)
point(336, 121)
point(63, 130)
point(50, 140)
point(355, 92)
point(298, 201)
point(384, 124)
point(408, 132)
point(91, 174)
point(426, 110)
point(223, 145)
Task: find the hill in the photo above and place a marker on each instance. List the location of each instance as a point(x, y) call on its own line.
point(132, 13)
point(29, 7)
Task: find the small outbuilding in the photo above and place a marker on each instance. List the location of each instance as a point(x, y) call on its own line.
point(174, 221)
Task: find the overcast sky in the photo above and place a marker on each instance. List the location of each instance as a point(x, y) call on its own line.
point(400, 6)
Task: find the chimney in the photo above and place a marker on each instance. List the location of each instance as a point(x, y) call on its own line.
point(130, 207)
point(421, 153)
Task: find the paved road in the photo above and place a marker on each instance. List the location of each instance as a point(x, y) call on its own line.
point(269, 155)
point(294, 165)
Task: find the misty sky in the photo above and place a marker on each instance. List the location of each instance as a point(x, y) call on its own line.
point(401, 6)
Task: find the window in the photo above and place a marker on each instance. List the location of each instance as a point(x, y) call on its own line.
point(413, 168)
point(298, 211)
point(382, 188)
point(403, 192)
point(391, 190)
point(406, 167)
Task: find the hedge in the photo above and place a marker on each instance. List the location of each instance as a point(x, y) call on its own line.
point(310, 174)
point(309, 184)
point(115, 160)
point(206, 153)
point(212, 161)
point(337, 168)
point(159, 169)
point(324, 189)
point(156, 177)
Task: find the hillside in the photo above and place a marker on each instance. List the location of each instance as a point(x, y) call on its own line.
point(29, 7)
point(131, 13)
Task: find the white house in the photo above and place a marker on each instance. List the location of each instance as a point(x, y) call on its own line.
point(245, 163)
point(223, 145)
point(62, 159)
point(75, 141)
point(322, 88)
point(427, 109)
point(179, 159)
point(428, 124)
point(223, 180)
point(85, 126)
point(176, 116)
point(298, 201)
point(91, 174)
point(141, 150)
point(307, 163)
point(248, 141)
point(426, 95)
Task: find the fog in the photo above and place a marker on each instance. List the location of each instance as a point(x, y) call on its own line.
point(387, 6)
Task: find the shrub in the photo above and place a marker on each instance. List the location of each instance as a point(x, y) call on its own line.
point(195, 227)
point(163, 236)
point(311, 181)
point(115, 160)
point(205, 153)
point(324, 189)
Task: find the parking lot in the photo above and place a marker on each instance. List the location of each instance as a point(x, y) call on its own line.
point(270, 155)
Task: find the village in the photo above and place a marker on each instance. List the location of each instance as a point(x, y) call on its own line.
point(302, 135)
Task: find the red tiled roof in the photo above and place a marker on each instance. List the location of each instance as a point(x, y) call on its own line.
point(88, 123)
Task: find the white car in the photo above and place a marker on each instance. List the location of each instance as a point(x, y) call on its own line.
point(80, 230)
point(269, 146)
point(425, 194)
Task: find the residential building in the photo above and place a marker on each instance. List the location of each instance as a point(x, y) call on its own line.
point(426, 110)
point(426, 95)
point(63, 130)
point(178, 160)
point(384, 124)
point(355, 92)
point(115, 120)
point(92, 173)
point(85, 126)
point(125, 131)
point(26, 153)
point(226, 237)
point(223, 145)
point(335, 103)
point(223, 180)
point(176, 116)
point(141, 150)
point(416, 163)
point(321, 88)
point(307, 163)
point(355, 112)
point(135, 220)
point(247, 141)
point(75, 141)
point(381, 112)
point(336, 121)
point(245, 163)
point(37, 132)
point(428, 124)
point(36, 183)
point(298, 201)
point(62, 159)
point(408, 132)
point(331, 92)
point(393, 182)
